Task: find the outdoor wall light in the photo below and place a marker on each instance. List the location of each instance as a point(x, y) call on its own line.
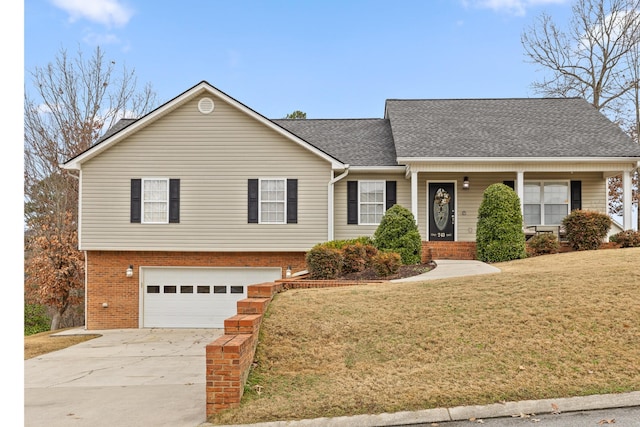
point(130, 271)
point(465, 183)
point(288, 272)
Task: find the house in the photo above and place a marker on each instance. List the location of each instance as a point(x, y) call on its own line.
point(183, 208)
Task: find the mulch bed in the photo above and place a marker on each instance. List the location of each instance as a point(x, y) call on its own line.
point(404, 272)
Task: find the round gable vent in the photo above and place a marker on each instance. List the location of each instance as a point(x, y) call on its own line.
point(205, 105)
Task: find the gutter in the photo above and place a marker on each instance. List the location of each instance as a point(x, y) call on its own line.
point(330, 204)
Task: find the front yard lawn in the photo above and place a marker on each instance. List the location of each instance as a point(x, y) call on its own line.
point(550, 326)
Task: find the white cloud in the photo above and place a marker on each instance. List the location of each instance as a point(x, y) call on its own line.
point(514, 7)
point(96, 39)
point(106, 12)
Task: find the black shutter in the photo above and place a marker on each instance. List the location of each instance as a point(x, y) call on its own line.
point(136, 199)
point(174, 200)
point(292, 201)
point(352, 202)
point(253, 201)
point(511, 184)
point(576, 195)
point(390, 194)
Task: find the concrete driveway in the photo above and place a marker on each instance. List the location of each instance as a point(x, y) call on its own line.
point(126, 377)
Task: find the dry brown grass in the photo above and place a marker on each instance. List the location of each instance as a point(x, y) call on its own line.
point(42, 343)
point(551, 326)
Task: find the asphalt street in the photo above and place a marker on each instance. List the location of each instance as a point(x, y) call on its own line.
point(619, 417)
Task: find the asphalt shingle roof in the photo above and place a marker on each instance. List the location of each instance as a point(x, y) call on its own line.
point(358, 142)
point(529, 127)
point(463, 128)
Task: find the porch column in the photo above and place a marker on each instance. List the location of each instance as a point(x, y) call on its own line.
point(627, 203)
point(414, 195)
point(520, 190)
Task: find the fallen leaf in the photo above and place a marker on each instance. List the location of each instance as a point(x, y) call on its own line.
point(522, 368)
point(555, 408)
point(611, 421)
point(535, 420)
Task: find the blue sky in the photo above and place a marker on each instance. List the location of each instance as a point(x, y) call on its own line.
point(330, 59)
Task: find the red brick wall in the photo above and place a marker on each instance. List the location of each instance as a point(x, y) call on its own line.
point(107, 282)
point(449, 250)
point(229, 358)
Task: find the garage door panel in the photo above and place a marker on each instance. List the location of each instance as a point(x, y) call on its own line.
point(175, 297)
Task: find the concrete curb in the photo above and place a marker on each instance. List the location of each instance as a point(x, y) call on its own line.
point(461, 413)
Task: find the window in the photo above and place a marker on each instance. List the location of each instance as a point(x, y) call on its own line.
point(371, 201)
point(155, 200)
point(545, 202)
point(273, 202)
point(367, 201)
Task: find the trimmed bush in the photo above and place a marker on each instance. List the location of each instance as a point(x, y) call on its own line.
point(627, 239)
point(339, 244)
point(398, 232)
point(371, 251)
point(499, 234)
point(386, 263)
point(543, 244)
point(354, 258)
point(586, 230)
point(324, 262)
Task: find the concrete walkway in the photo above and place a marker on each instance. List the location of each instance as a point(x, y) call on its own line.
point(452, 268)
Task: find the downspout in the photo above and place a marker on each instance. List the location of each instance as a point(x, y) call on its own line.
point(330, 204)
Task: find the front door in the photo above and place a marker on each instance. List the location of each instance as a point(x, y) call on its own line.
point(442, 211)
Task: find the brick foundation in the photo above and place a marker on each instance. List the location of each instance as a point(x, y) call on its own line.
point(449, 250)
point(106, 280)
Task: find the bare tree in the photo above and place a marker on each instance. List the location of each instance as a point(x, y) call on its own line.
point(73, 101)
point(596, 59)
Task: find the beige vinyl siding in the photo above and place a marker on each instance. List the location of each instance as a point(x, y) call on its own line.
point(468, 201)
point(350, 231)
point(213, 156)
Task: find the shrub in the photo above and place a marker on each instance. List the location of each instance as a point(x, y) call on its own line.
point(499, 234)
point(586, 229)
point(354, 258)
point(339, 244)
point(386, 263)
point(543, 243)
point(35, 319)
point(324, 262)
point(371, 252)
point(398, 232)
point(627, 239)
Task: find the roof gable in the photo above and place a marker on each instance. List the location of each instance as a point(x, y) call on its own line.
point(126, 127)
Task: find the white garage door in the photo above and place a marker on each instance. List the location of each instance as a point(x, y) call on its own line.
point(196, 297)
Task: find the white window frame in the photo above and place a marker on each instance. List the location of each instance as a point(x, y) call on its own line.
point(542, 183)
point(284, 202)
point(360, 202)
point(143, 202)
